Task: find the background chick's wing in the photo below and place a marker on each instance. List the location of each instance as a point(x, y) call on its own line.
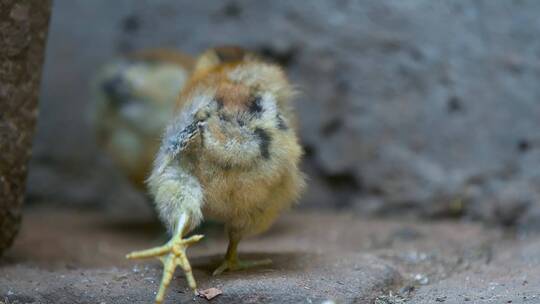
point(134, 98)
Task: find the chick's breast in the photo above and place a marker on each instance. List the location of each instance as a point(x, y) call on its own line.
point(246, 157)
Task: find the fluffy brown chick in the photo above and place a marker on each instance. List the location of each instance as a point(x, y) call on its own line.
point(230, 154)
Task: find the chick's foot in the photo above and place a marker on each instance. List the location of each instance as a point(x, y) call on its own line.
point(235, 264)
point(172, 254)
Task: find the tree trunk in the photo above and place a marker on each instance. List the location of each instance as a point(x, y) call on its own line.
point(23, 29)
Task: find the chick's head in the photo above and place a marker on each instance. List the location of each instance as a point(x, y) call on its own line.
point(244, 105)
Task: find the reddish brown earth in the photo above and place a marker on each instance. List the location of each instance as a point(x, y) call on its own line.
point(67, 256)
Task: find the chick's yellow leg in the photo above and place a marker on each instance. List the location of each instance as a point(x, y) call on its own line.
point(232, 263)
point(172, 254)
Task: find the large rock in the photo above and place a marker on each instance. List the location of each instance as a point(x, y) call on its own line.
point(407, 106)
point(23, 28)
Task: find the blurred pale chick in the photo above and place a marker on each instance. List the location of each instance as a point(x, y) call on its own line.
point(134, 99)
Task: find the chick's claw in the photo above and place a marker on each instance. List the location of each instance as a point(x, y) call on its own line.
point(172, 254)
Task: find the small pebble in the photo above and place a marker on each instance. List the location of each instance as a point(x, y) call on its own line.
point(422, 279)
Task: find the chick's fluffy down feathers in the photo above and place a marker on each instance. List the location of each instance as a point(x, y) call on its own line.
point(238, 161)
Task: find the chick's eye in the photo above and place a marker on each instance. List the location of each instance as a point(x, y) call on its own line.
point(224, 117)
point(219, 103)
point(255, 106)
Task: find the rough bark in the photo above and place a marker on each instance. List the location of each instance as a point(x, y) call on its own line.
point(23, 29)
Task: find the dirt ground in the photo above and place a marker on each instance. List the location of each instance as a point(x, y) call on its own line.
point(69, 256)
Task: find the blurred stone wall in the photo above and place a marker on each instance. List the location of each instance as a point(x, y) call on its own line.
point(408, 107)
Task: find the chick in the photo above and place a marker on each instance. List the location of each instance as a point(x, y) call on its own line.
point(134, 99)
point(230, 154)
